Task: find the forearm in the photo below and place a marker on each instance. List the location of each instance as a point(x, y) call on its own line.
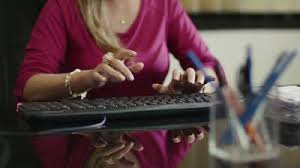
point(46, 87)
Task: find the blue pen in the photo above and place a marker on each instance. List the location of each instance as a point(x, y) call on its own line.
point(248, 73)
point(244, 80)
point(281, 64)
point(199, 66)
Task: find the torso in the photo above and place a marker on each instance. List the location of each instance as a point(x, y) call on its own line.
point(147, 36)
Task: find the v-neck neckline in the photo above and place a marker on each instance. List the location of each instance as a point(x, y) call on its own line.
point(135, 23)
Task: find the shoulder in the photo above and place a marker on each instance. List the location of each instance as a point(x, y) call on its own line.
point(165, 7)
point(64, 10)
point(64, 3)
point(60, 6)
point(54, 7)
point(65, 6)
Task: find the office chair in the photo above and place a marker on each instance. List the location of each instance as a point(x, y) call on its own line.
point(4, 153)
point(17, 21)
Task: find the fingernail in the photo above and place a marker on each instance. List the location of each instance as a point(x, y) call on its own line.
point(131, 78)
point(141, 149)
point(200, 136)
point(190, 139)
point(133, 52)
point(122, 78)
point(104, 79)
point(177, 140)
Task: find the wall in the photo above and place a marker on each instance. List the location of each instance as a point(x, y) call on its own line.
point(229, 48)
point(250, 6)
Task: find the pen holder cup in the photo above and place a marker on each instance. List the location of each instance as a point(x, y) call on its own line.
point(236, 146)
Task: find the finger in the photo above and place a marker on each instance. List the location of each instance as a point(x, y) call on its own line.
point(110, 72)
point(99, 79)
point(189, 133)
point(136, 67)
point(126, 163)
point(176, 74)
point(200, 136)
point(200, 77)
point(199, 133)
point(100, 143)
point(113, 138)
point(108, 161)
point(110, 150)
point(125, 54)
point(176, 136)
point(175, 84)
point(191, 75)
point(160, 88)
point(119, 65)
point(121, 153)
point(137, 146)
point(180, 86)
point(191, 138)
point(206, 128)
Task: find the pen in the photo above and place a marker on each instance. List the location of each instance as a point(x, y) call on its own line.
point(244, 79)
point(199, 66)
point(283, 61)
point(248, 72)
point(252, 105)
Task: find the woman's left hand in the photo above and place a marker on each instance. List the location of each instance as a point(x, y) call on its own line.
point(189, 81)
point(191, 135)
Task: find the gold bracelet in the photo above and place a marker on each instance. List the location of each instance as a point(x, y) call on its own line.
point(68, 85)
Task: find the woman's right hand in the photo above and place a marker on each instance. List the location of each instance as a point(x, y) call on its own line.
point(119, 68)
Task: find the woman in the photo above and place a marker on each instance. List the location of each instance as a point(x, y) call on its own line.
point(121, 48)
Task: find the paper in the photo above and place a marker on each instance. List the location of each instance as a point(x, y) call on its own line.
point(290, 94)
point(76, 129)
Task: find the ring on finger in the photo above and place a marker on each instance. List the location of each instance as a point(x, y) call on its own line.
point(107, 58)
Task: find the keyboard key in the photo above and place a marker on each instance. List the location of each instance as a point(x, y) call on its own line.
point(74, 105)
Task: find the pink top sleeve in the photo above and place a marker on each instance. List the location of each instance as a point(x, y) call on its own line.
point(46, 50)
point(184, 36)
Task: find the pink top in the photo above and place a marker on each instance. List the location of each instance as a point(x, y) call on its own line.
point(61, 43)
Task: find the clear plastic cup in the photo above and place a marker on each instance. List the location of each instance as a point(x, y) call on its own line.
point(231, 145)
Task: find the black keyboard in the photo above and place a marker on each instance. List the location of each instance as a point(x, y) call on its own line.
point(132, 111)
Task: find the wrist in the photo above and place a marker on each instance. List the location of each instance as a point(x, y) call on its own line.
point(82, 81)
point(76, 84)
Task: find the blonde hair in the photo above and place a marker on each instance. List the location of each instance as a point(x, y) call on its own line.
point(97, 24)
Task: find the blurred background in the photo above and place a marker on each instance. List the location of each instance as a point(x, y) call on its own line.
point(228, 26)
point(243, 6)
